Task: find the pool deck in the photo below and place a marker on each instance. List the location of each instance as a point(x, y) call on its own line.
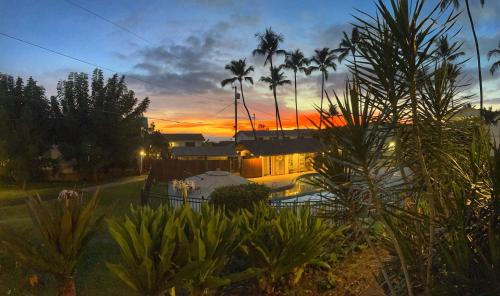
point(278, 181)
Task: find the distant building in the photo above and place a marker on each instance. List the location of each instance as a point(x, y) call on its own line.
point(271, 134)
point(204, 152)
point(184, 140)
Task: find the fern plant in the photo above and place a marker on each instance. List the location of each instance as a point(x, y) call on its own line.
point(65, 229)
point(282, 242)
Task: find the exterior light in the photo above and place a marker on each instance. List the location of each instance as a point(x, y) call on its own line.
point(142, 153)
point(392, 144)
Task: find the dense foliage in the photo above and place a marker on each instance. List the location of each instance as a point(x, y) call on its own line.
point(236, 197)
point(405, 161)
point(25, 127)
point(166, 249)
point(97, 123)
point(282, 242)
point(99, 127)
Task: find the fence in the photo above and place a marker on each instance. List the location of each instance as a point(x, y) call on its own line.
point(171, 169)
point(318, 207)
point(177, 201)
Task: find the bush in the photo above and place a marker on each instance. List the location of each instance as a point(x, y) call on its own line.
point(281, 243)
point(165, 249)
point(65, 229)
point(238, 197)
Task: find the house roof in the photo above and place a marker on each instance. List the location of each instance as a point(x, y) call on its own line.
point(272, 133)
point(204, 151)
point(281, 146)
point(184, 137)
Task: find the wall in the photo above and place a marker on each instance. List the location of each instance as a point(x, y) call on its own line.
point(251, 167)
point(170, 169)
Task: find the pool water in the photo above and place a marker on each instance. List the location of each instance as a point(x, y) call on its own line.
point(302, 185)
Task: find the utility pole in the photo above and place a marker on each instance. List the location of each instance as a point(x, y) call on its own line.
point(236, 97)
point(254, 120)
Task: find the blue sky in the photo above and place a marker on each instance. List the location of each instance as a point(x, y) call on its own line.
point(184, 45)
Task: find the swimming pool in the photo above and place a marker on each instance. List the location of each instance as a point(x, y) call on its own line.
point(301, 186)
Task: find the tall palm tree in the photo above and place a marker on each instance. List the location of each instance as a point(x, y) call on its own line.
point(268, 45)
point(275, 79)
point(240, 70)
point(456, 5)
point(492, 53)
point(296, 61)
point(348, 45)
point(324, 59)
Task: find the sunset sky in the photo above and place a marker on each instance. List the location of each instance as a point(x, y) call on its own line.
point(181, 47)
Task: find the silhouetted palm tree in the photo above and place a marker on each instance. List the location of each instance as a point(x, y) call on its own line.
point(456, 4)
point(323, 59)
point(296, 61)
point(448, 52)
point(348, 45)
point(275, 79)
point(496, 64)
point(240, 71)
point(269, 43)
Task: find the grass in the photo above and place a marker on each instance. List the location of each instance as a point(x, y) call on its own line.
point(93, 278)
point(10, 193)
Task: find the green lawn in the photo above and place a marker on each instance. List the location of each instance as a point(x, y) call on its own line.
point(10, 193)
point(93, 278)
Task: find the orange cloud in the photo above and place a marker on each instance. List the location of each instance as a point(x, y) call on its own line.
point(224, 127)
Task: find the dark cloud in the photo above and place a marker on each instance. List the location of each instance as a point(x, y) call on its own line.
point(331, 35)
point(195, 65)
point(184, 68)
point(486, 43)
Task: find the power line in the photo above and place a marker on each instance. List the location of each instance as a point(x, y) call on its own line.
point(265, 112)
point(97, 66)
point(108, 21)
point(74, 58)
point(221, 110)
point(154, 118)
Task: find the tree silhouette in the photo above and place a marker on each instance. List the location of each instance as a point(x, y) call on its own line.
point(456, 4)
point(492, 53)
point(323, 59)
point(348, 45)
point(240, 70)
point(448, 52)
point(275, 79)
point(268, 45)
point(296, 61)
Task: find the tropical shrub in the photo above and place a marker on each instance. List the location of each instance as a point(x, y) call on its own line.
point(165, 249)
point(282, 242)
point(396, 154)
point(237, 197)
point(65, 228)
